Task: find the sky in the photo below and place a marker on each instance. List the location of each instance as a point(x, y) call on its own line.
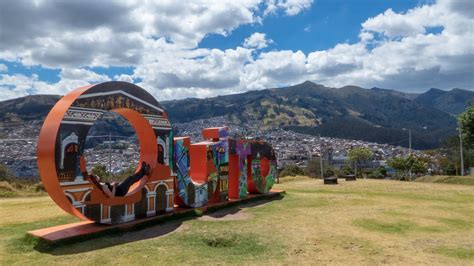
point(182, 49)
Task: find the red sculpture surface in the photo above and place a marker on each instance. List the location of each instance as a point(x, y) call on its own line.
point(183, 173)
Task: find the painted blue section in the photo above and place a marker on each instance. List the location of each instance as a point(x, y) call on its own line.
point(181, 159)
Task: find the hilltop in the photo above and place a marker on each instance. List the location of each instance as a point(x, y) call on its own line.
point(351, 112)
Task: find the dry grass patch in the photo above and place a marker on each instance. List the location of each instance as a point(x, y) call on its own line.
point(361, 222)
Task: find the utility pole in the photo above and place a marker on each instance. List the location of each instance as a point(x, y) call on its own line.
point(462, 155)
point(321, 156)
point(409, 149)
point(110, 153)
point(409, 141)
point(355, 169)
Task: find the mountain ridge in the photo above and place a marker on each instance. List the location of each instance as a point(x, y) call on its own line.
point(376, 114)
point(453, 102)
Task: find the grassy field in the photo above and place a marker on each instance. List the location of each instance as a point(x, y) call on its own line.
point(361, 222)
point(446, 179)
point(20, 189)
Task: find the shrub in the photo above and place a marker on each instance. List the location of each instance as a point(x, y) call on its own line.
point(329, 172)
point(291, 170)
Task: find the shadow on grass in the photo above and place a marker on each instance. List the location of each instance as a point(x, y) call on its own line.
point(107, 240)
point(143, 231)
point(223, 213)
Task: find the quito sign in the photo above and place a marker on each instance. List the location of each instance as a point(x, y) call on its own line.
point(172, 171)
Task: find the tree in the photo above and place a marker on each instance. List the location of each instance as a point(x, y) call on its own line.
point(399, 164)
point(418, 166)
point(358, 156)
point(382, 170)
point(450, 159)
point(313, 168)
point(291, 170)
point(328, 172)
point(101, 171)
point(347, 170)
point(403, 165)
point(5, 174)
point(466, 123)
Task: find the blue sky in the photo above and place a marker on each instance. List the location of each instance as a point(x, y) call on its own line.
point(203, 49)
point(324, 25)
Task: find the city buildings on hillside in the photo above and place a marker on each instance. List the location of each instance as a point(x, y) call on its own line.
point(18, 147)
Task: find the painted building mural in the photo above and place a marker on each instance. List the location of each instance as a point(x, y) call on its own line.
point(183, 174)
point(189, 193)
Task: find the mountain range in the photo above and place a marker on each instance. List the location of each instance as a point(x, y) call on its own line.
point(352, 112)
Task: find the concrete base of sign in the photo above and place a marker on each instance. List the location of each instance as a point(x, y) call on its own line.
point(89, 229)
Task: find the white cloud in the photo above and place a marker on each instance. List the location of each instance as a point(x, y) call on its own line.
point(124, 77)
point(3, 68)
point(209, 69)
point(290, 7)
point(82, 74)
point(393, 24)
point(17, 85)
point(365, 36)
point(257, 40)
point(396, 50)
point(275, 68)
point(119, 33)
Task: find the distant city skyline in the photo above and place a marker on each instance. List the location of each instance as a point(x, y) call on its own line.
point(202, 49)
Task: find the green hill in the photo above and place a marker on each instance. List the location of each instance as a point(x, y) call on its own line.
point(348, 112)
point(352, 112)
point(452, 102)
point(27, 108)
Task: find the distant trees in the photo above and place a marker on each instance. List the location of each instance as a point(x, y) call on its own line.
point(466, 123)
point(358, 156)
point(101, 171)
point(378, 173)
point(313, 168)
point(329, 171)
point(347, 170)
point(5, 174)
point(448, 155)
point(291, 170)
point(403, 166)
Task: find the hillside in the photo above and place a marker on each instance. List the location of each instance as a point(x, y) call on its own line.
point(452, 102)
point(348, 112)
point(27, 108)
point(351, 112)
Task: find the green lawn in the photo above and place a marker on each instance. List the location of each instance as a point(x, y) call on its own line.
point(461, 180)
point(361, 222)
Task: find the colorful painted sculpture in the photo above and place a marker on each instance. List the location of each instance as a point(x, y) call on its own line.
point(183, 174)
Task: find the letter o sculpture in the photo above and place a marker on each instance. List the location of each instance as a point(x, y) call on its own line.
point(61, 143)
